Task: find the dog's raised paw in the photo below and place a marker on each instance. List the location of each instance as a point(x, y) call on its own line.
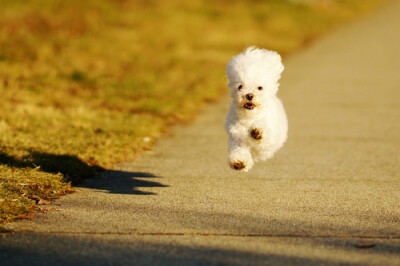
point(238, 165)
point(256, 134)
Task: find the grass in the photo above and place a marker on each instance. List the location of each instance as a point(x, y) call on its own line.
point(87, 84)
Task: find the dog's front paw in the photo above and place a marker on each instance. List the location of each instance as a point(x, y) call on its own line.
point(256, 134)
point(238, 165)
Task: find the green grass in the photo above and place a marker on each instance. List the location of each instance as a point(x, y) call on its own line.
point(83, 84)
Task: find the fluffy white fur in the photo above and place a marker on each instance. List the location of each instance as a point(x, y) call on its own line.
point(256, 124)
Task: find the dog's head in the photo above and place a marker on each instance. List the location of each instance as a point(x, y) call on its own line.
point(253, 76)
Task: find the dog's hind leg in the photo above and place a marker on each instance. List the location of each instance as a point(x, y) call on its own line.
point(262, 155)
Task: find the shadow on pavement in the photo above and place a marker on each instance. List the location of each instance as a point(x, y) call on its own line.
point(80, 173)
point(121, 182)
point(37, 249)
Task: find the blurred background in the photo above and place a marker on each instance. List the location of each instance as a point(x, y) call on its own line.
point(87, 84)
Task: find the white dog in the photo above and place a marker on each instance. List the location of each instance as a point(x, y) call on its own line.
point(256, 123)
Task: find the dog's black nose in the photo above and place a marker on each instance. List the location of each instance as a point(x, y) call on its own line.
point(249, 96)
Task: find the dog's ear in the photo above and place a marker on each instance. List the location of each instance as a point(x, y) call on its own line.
point(274, 67)
point(232, 72)
point(233, 75)
point(275, 60)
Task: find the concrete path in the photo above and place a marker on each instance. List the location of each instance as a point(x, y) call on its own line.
point(330, 196)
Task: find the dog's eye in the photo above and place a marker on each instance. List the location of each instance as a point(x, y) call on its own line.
point(260, 88)
point(240, 86)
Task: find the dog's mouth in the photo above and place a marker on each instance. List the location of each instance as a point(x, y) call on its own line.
point(249, 106)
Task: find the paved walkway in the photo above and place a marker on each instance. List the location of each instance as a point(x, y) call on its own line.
point(335, 184)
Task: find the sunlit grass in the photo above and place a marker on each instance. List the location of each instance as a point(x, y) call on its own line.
point(87, 84)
